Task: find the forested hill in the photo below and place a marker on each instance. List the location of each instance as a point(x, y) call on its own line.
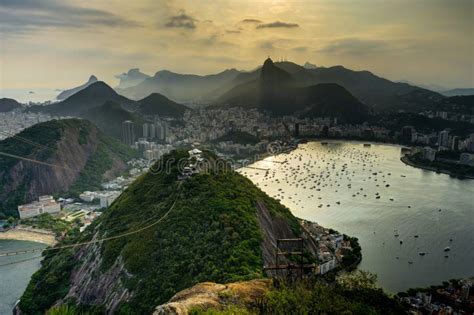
point(77, 157)
point(215, 226)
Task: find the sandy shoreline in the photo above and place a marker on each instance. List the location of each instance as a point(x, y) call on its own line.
point(23, 235)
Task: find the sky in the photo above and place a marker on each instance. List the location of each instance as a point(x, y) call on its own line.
point(59, 43)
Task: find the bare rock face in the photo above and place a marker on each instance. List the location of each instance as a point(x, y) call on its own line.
point(69, 155)
point(209, 295)
point(91, 287)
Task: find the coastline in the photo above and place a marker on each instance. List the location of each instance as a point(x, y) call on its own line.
point(405, 159)
point(21, 234)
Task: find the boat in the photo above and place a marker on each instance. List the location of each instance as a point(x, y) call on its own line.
point(447, 249)
point(422, 253)
point(367, 144)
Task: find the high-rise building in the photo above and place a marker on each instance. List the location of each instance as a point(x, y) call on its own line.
point(407, 133)
point(128, 132)
point(152, 131)
point(443, 139)
point(145, 130)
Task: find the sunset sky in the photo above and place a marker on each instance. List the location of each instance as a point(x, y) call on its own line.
point(58, 44)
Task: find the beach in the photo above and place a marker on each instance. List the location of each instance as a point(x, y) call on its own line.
point(28, 234)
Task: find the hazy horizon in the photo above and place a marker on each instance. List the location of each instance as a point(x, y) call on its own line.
point(423, 42)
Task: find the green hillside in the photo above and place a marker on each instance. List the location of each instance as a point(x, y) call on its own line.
point(109, 118)
point(211, 234)
point(80, 152)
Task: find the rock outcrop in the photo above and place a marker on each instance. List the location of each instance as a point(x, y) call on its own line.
point(209, 295)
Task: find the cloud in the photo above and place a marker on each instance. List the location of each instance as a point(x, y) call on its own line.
point(300, 49)
point(232, 31)
point(19, 16)
point(355, 46)
point(277, 24)
point(251, 21)
point(267, 45)
point(182, 20)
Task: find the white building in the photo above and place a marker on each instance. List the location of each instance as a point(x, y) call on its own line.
point(429, 154)
point(107, 198)
point(45, 204)
point(327, 266)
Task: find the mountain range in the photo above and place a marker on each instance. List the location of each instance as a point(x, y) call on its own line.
point(182, 87)
point(277, 91)
point(131, 78)
point(107, 109)
point(376, 92)
point(66, 93)
point(81, 154)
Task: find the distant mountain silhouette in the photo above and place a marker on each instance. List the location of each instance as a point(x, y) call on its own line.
point(277, 91)
point(181, 87)
point(94, 95)
point(67, 93)
point(376, 92)
point(157, 104)
point(459, 92)
point(131, 78)
point(309, 65)
point(8, 104)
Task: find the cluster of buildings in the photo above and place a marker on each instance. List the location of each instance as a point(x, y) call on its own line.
point(331, 246)
point(193, 167)
point(453, 116)
point(442, 141)
point(159, 131)
point(44, 204)
point(451, 299)
point(15, 121)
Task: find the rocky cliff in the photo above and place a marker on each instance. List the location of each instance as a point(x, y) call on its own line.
point(54, 157)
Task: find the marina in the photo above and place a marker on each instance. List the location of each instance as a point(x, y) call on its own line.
point(404, 217)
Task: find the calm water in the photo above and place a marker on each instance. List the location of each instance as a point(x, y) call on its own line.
point(34, 95)
point(437, 208)
point(15, 277)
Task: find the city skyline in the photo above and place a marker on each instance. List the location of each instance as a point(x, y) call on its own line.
point(424, 42)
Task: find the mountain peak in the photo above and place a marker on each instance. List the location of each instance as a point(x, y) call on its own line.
point(92, 79)
point(268, 62)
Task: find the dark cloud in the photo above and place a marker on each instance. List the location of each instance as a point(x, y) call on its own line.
point(278, 24)
point(251, 21)
point(182, 20)
point(356, 46)
point(28, 15)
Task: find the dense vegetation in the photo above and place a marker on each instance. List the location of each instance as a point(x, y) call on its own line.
point(240, 137)
point(109, 118)
point(46, 136)
point(100, 162)
point(48, 222)
point(157, 104)
point(212, 234)
point(40, 142)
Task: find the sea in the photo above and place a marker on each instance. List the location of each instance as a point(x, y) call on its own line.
point(396, 211)
point(26, 96)
point(16, 271)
